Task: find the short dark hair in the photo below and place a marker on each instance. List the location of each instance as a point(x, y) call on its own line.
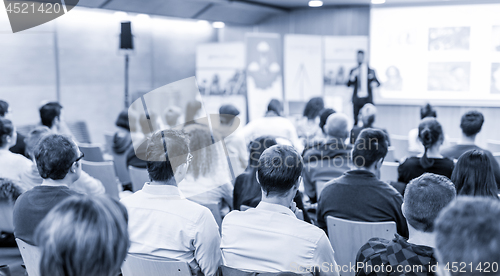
point(4, 108)
point(425, 196)
point(122, 120)
point(427, 111)
point(48, 112)
point(371, 145)
point(166, 151)
point(34, 138)
point(323, 116)
point(468, 231)
point(361, 52)
point(6, 129)
point(472, 122)
point(473, 175)
point(280, 167)
point(313, 107)
point(276, 106)
point(54, 155)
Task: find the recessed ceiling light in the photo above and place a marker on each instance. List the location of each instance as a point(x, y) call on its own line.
point(218, 24)
point(315, 3)
point(378, 1)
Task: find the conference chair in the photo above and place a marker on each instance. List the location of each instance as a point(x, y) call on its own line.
point(135, 265)
point(493, 145)
point(138, 177)
point(80, 131)
point(348, 236)
point(104, 172)
point(401, 145)
point(120, 163)
point(108, 145)
point(6, 215)
point(229, 271)
point(389, 172)
point(31, 256)
point(92, 152)
point(390, 155)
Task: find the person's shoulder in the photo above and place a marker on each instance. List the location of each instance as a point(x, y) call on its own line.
point(375, 250)
point(450, 151)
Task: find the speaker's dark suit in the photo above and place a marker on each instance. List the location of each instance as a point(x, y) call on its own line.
point(358, 102)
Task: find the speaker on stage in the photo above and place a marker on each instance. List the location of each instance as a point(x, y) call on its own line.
point(126, 41)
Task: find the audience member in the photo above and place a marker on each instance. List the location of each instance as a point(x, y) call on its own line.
point(431, 135)
point(330, 159)
point(358, 194)
point(233, 139)
point(83, 236)
point(85, 184)
point(162, 223)
point(51, 116)
point(468, 232)
point(56, 157)
point(6, 112)
point(207, 179)
point(473, 176)
point(12, 165)
point(320, 136)
point(10, 190)
point(415, 145)
point(194, 111)
point(424, 198)
point(471, 124)
point(368, 114)
point(260, 239)
point(307, 127)
point(171, 115)
point(272, 123)
point(123, 143)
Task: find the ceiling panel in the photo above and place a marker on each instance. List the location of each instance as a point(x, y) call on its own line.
point(237, 13)
point(175, 8)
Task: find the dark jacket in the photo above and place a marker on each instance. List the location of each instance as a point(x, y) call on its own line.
point(371, 78)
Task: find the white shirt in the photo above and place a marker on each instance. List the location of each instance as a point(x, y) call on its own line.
point(270, 238)
point(164, 224)
point(13, 165)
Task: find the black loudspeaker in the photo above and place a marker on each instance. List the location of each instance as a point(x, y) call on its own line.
point(126, 41)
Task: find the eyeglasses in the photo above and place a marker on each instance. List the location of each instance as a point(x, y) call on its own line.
point(79, 158)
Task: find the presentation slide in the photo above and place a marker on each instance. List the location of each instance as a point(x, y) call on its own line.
point(447, 55)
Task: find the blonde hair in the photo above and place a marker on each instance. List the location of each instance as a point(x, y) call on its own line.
point(83, 236)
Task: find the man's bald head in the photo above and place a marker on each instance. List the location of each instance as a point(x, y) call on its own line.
point(337, 126)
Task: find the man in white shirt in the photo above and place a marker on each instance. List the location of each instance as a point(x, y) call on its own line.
point(270, 238)
point(162, 223)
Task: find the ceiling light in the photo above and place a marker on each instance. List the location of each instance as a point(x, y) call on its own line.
point(202, 22)
point(120, 14)
point(315, 3)
point(218, 24)
point(378, 1)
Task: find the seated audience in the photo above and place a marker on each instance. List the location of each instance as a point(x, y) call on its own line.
point(307, 127)
point(272, 123)
point(320, 136)
point(415, 145)
point(194, 111)
point(233, 139)
point(12, 165)
point(473, 176)
point(6, 113)
point(330, 159)
point(51, 116)
point(208, 177)
point(468, 232)
point(171, 115)
point(162, 223)
point(10, 190)
point(471, 124)
point(123, 141)
point(83, 236)
point(358, 194)
point(270, 238)
point(424, 198)
point(368, 114)
point(85, 184)
point(431, 135)
point(57, 158)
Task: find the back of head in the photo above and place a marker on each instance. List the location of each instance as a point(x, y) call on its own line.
point(54, 155)
point(323, 116)
point(337, 126)
point(227, 113)
point(275, 106)
point(313, 107)
point(371, 145)
point(430, 133)
point(368, 113)
point(425, 197)
point(257, 147)
point(472, 122)
point(10, 189)
point(33, 138)
point(279, 169)
point(6, 131)
point(205, 157)
point(468, 231)
point(474, 176)
point(166, 151)
point(172, 114)
point(192, 108)
point(4, 108)
point(427, 111)
point(83, 236)
point(122, 120)
point(48, 112)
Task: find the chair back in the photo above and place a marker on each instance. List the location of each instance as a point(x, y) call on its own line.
point(31, 256)
point(92, 152)
point(108, 145)
point(138, 177)
point(6, 215)
point(493, 145)
point(120, 163)
point(229, 271)
point(105, 172)
point(390, 155)
point(401, 145)
point(389, 172)
point(138, 266)
point(214, 208)
point(347, 237)
point(80, 131)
